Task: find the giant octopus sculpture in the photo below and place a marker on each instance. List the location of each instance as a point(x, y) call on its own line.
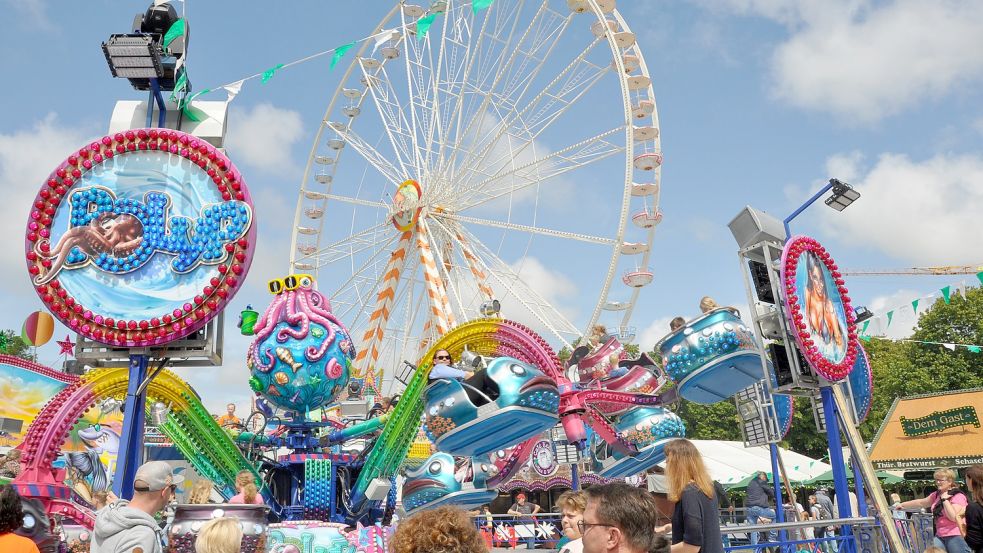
point(302, 354)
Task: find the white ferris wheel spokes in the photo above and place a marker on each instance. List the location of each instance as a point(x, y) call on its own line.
point(498, 156)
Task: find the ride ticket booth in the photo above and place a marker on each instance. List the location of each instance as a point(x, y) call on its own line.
point(926, 432)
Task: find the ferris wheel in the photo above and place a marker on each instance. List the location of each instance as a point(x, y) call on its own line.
point(475, 160)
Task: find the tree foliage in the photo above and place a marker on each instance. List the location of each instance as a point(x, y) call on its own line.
point(12, 344)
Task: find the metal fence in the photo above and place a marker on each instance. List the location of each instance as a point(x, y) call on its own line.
point(539, 531)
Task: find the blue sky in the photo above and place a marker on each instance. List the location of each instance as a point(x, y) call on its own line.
point(760, 102)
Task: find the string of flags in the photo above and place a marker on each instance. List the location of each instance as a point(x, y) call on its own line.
point(420, 27)
point(952, 346)
point(946, 293)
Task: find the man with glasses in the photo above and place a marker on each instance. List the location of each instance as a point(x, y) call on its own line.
point(621, 519)
point(442, 367)
point(129, 526)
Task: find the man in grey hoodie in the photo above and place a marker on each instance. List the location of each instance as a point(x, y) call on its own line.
point(129, 526)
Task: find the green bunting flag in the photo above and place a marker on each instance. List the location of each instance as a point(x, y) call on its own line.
point(191, 112)
point(478, 5)
point(865, 338)
point(268, 74)
point(176, 30)
point(864, 329)
point(979, 276)
point(339, 52)
point(890, 315)
point(945, 294)
point(914, 305)
point(973, 349)
point(180, 86)
point(423, 25)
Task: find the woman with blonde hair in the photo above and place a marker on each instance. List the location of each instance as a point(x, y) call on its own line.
point(708, 304)
point(248, 492)
point(572, 505)
point(695, 519)
point(201, 492)
point(948, 504)
point(219, 535)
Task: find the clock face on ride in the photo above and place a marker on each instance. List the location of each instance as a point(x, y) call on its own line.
point(140, 238)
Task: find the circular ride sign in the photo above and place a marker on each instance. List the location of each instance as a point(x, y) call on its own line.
point(818, 308)
point(140, 238)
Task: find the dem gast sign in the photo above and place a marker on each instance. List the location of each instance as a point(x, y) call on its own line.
point(939, 421)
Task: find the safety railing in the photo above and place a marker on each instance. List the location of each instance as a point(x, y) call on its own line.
point(539, 531)
point(843, 535)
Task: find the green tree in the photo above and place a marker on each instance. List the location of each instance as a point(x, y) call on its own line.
point(12, 344)
point(717, 421)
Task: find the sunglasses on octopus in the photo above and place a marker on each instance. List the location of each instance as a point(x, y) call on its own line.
point(289, 283)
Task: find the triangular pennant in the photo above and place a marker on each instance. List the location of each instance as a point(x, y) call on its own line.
point(339, 52)
point(865, 338)
point(945, 294)
point(191, 112)
point(232, 90)
point(174, 31)
point(914, 306)
point(423, 25)
point(890, 315)
point(268, 74)
point(979, 276)
point(379, 39)
point(961, 289)
point(478, 5)
point(864, 329)
point(951, 347)
point(973, 349)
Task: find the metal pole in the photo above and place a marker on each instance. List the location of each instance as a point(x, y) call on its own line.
point(870, 478)
point(130, 455)
point(574, 477)
point(840, 485)
point(858, 484)
point(776, 482)
point(803, 207)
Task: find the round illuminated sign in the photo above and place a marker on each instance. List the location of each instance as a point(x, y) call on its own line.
point(405, 212)
point(141, 237)
point(542, 460)
point(818, 308)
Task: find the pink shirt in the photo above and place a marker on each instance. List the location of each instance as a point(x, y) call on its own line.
point(943, 526)
point(241, 499)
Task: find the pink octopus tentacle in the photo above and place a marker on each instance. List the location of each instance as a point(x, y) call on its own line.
point(265, 326)
point(294, 318)
point(324, 319)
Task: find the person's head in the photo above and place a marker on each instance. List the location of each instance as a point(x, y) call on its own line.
point(219, 535)
point(684, 464)
point(485, 509)
point(572, 506)
point(974, 481)
point(100, 499)
point(598, 331)
point(676, 324)
point(895, 498)
point(441, 530)
point(230, 409)
point(708, 304)
point(246, 484)
point(13, 455)
point(154, 486)
point(201, 492)
point(816, 282)
point(619, 517)
point(442, 356)
point(812, 499)
point(11, 510)
point(520, 499)
point(945, 479)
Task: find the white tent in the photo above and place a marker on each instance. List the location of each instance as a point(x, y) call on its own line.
point(731, 462)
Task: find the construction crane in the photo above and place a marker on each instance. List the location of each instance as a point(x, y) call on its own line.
point(930, 271)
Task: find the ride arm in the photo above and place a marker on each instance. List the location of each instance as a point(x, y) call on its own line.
point(607, 432)
point(627, 398)
point(514, 463)
point(356, 430)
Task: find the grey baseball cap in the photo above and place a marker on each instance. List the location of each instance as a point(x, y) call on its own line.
point(155, 476)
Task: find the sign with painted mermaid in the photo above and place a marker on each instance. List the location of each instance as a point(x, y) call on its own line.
point(140, 238)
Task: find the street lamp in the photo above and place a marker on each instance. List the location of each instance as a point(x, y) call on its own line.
point(843, 196)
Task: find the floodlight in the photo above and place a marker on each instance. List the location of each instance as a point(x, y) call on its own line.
point(490, 308)
point(133, 56)
point(862, 313)
point(843, 195)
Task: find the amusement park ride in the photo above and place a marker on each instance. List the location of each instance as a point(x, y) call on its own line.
point(150, 205)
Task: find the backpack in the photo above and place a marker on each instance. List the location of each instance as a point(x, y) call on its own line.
point(824, 513)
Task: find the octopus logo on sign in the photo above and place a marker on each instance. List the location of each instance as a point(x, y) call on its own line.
point(542, 460)
point(818, 308)
point(140, 238)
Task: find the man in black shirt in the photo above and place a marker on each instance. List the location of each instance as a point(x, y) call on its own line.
point(760, 496)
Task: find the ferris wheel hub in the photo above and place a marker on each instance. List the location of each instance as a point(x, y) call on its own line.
point(406, 206)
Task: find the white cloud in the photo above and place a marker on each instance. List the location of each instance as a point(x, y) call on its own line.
point(867, 64)
point(865, 61)
point(263, 137)
point(655, 331)
point(923, 212)
point(845, 167)
point(552, 286)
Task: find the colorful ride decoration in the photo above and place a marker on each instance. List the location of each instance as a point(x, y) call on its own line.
point(712, 357)
point(189, 426)
point(437, 482)
point(459, 415)
point(647, 430)
point(188, 520)
point(306, 536)
point(818, 308)
point(861, 382)
point(153, 218)
point(37, 329)
point(301, 357)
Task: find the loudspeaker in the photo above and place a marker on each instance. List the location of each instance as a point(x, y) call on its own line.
point(751, 226)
